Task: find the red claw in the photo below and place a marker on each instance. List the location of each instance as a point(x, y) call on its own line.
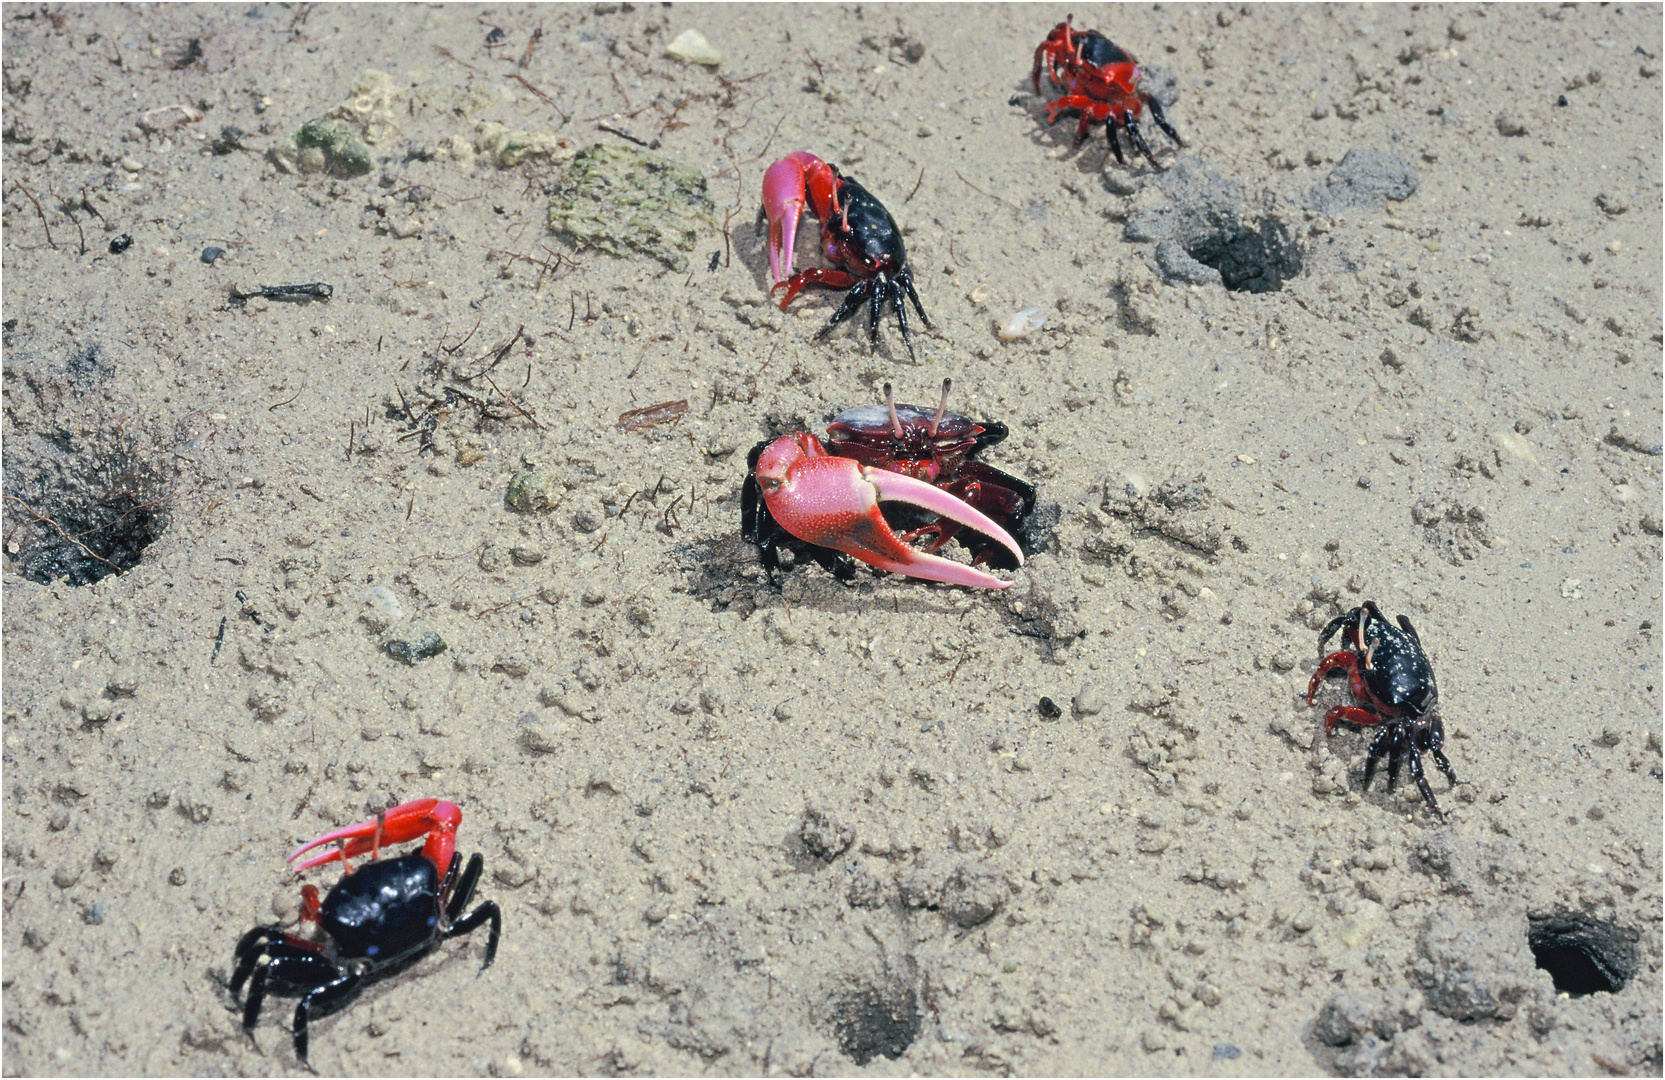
point(833, 502)
point(434, 818)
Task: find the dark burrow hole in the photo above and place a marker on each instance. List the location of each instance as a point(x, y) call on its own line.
point(869, 1022)
point(86, 509)
point(1254, 261)
point(1583, 955)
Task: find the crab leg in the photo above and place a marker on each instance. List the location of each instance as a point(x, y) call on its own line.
point(833, 502)
point(434, 818)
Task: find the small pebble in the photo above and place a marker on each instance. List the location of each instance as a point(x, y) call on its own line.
point(692, 47)
point(209, 254)
point(1088, 701)
point(540, 738)
point(1021, 324)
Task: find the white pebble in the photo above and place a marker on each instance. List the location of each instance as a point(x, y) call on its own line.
point(384, 599)
point(692, 47)
point(1021, 324)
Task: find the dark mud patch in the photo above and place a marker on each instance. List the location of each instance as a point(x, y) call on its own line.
point(81, 506)
point(870, 1021)
point(1257, 259)
point(1582, 955)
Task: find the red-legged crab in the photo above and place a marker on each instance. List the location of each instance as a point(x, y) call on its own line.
point(376, 921)
point(826, 495)
point(858, 236)
point(1393, 682)
point(1102, 82)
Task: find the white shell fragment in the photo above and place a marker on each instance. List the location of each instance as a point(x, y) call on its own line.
point(691, 47)
point(1514, 445)
point(1021, 324)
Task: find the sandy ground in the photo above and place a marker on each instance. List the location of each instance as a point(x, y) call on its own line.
point(825, 827)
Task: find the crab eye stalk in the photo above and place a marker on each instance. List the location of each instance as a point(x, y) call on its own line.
point(890, 403)
point(942, 408)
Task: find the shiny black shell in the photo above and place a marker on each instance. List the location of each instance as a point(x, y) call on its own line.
point(1392, 660)
point(383, 910)
point(872, 236)
point(1101, 51)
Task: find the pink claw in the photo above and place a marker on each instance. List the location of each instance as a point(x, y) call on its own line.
point(433, 818)
point(788, 183)
point(834, 502)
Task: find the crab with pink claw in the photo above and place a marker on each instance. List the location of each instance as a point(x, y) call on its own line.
point(832, 502)
point(858, 236)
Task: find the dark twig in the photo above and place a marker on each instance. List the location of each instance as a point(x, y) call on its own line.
point(457, 348)
point(916, 184)
point(65, 209)
point(39, 211)
point(496, 355)
point(770, 141)
point(545, 98)
point(981, 192)
point(512, 403)
point(531, 43)
point(281, 404)
point(623, 134)
point(448, 54)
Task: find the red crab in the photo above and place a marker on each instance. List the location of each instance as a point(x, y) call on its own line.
point(827, 495)
point(376, 921)
point(1102, 82)
point(858, 236)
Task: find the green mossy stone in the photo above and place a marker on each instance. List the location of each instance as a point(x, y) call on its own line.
point(535, 490)
point(324, 145)
point(614, 198)
point(409, 652)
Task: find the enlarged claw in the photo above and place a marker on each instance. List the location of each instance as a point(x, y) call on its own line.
point(434, 818)
point(834, 502)
point(788, 183)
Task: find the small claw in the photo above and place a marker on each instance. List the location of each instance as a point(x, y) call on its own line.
point(434, 818)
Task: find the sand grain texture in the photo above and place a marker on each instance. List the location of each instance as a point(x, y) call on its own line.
point(826, 828)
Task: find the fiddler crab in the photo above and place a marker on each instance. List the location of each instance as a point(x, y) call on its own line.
point(1102, 82)
point(858, 236)
point(1393, 682)
point(827, 494)
point(375, 922)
